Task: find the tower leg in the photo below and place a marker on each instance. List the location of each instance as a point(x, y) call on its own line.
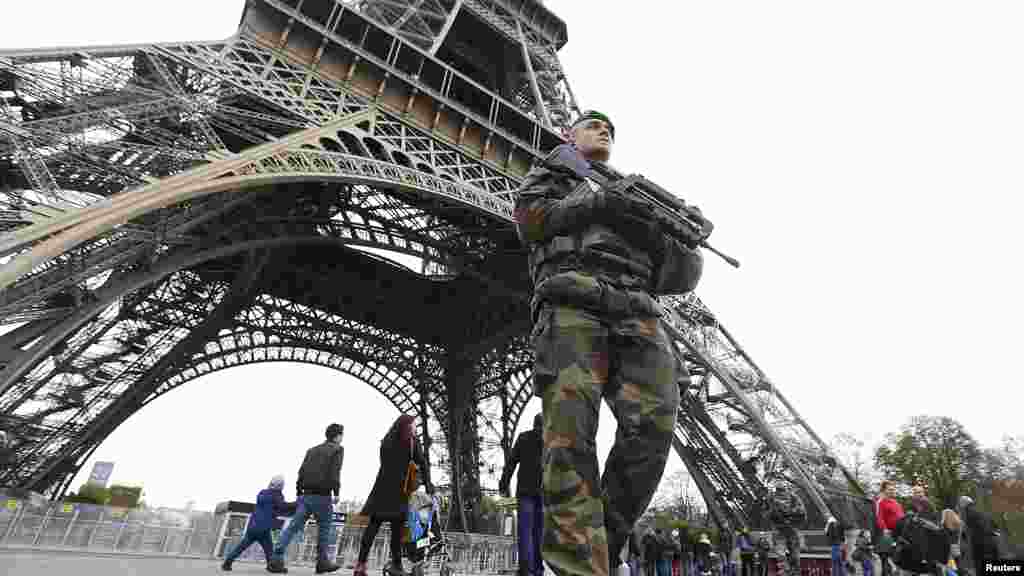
point(462, 442)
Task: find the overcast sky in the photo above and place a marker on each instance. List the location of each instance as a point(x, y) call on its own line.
point(862, 160)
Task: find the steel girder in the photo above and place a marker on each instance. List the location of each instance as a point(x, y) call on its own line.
point(752, 428)
point(180, 147)
point(426, 24)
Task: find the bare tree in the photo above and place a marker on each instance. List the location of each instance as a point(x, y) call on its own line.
point(676, 497)
point(854, 453)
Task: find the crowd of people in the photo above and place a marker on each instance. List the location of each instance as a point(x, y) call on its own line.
point(924, 540)
point(921, 540)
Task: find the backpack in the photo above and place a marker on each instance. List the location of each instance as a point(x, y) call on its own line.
point(920, 544)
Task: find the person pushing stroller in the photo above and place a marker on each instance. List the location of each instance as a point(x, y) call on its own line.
point(386, 502)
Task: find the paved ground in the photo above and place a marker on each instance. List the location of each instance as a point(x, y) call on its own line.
point(50, 563)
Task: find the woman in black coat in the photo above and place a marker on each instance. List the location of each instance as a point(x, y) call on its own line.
point(386, 503)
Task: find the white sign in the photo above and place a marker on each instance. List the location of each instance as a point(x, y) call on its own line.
point(101, 473)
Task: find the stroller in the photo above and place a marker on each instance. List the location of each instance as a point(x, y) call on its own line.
point(419, 545)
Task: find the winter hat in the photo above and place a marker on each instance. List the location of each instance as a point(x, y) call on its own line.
point(277, 482)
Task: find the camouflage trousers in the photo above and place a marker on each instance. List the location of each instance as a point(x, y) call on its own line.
point(580, 359)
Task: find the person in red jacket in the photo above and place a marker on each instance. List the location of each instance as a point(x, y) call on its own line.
point(887, 512)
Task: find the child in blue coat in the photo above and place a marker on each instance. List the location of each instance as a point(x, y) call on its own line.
point(269, 505)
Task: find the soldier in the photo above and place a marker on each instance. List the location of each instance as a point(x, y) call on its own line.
point(597, 260)
point(787, 514)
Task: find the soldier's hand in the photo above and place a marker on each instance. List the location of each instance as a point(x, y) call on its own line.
point(610, 201)
point(633, 205)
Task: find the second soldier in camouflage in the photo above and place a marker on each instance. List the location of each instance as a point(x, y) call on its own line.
point(597, 260)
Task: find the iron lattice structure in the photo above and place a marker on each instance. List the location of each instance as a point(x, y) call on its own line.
point(171, 210)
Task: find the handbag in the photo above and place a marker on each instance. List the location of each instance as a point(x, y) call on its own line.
point(409, 482)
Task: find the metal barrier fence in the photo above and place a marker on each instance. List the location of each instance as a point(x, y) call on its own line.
point(41, 524)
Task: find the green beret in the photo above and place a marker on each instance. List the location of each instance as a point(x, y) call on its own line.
point(595, 115)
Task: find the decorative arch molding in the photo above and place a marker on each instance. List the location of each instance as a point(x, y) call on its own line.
point(392, 385)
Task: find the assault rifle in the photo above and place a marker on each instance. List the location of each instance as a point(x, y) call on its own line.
point(673, 216)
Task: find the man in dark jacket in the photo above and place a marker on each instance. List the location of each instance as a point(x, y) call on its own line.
point(981, 534)
point(317, 489)
point(747, 550)
point(527, 454)
point(835, 531)
point(652, 551)
point(269, 505)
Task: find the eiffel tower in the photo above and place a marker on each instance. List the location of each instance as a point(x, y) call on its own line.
point(171, 210)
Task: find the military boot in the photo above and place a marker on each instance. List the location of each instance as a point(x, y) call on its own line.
point(276, 566)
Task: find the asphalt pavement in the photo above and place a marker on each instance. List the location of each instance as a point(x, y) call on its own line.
point(15, 562)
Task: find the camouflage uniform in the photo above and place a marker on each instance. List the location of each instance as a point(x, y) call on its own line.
point(597, 335)
point(787, 514)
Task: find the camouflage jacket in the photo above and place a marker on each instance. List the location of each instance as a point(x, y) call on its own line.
point(582, 254)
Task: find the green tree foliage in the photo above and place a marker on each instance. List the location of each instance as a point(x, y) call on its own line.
point(934, 451)
point(90, 494)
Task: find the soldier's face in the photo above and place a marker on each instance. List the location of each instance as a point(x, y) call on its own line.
point(593, 139)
